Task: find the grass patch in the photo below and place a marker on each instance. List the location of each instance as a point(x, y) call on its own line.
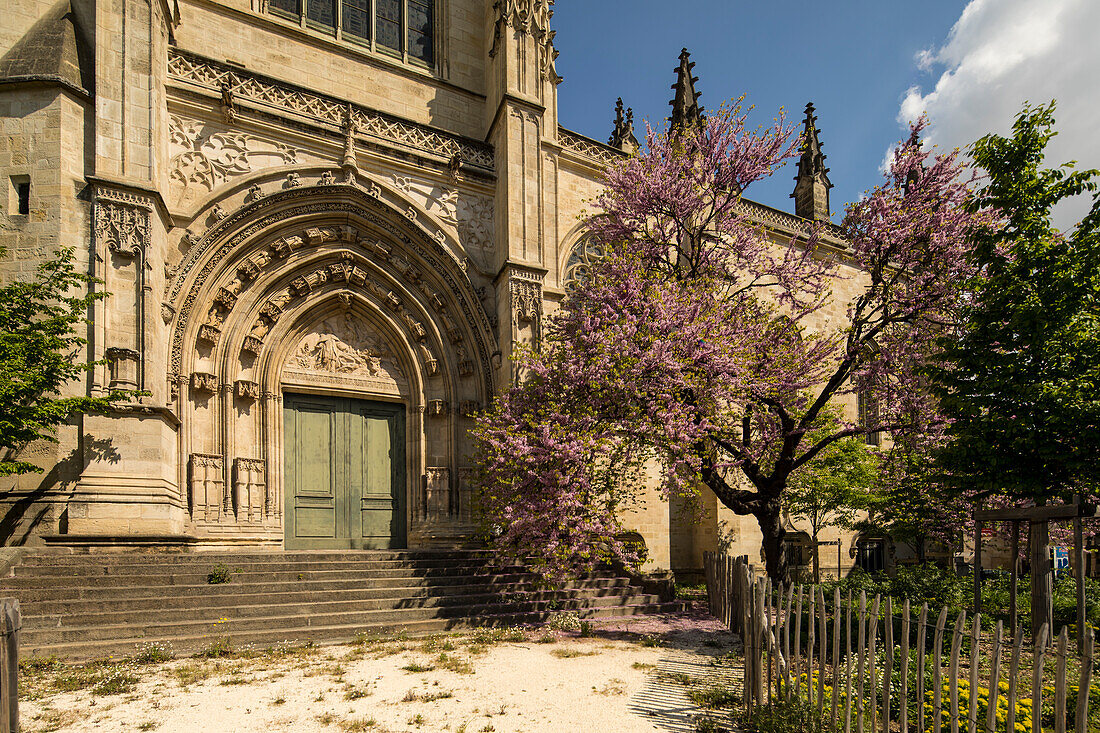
point(487, 636)
point(454, 664)
point(148, 725)
point(714, 697)
point(153, 652)
point(193, 672)
point(643, 666)
point(115, 681)
point(355, 693)
point(571, 653)
point(614, 686)
point(418, 667)
point(414, 696)
point(355, 725)
point(679, 678)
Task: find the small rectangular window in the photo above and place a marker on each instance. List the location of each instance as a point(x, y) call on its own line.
point(355, 19)
point(387, 24)
point(420, 30)
point(321, 12)
point(19, 196)
point(292, 8)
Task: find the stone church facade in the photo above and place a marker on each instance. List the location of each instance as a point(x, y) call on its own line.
point(324, 225)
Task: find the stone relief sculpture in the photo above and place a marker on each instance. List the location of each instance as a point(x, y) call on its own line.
point(342, 345)
point(202, 158)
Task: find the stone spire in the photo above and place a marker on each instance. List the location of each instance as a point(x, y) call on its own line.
point(623, 135)
point(914, 173)
point(811, 189)
point(685, 105)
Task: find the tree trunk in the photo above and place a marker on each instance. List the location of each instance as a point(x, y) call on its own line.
point(775, 551)
point(817, 561)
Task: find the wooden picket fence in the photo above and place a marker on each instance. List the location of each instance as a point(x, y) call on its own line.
point(9, 665)
point(800, 644)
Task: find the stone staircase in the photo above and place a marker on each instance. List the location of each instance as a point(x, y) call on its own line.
point(81, 606)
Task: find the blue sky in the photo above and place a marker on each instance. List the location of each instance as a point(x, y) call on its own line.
point(864, 63)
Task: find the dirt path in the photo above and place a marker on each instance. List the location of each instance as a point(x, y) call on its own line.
point(626, 675)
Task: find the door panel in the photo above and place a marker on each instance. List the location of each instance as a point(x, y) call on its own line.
point(345, 481)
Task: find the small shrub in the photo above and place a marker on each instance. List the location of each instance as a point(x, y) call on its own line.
point(355, 693)
point(714, 697)
point(220, 574)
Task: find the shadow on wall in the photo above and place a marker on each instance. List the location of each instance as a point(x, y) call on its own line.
point(27, 511)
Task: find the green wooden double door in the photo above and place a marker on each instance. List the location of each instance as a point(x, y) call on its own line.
point(345, 473)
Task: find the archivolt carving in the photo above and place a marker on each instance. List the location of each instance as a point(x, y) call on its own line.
point(206, 159)
point(429, 252)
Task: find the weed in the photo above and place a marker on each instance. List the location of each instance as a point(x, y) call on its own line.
point(279, 701)
point(614, 686)
point(547, 638)
point(414, 696)
point(454, 664)
point(418, 667)
point(585, 628)
point(355, 693)
point(564, 622)
point(495, 636)
point(220, 574)
point(192, 672)
point(216, 649)
point(364, 638)
point(643, 666)
point(292, 648)
point(326, 718)
point(153, 652)
point(148, 725)
point(714, 697)
point(320, 697)
point(417, 720)
point(705, 724)
point(679, 678)
point(489, 728)
point(355, 726)
point(571, 653)
point(234, 680)
point(116, 681)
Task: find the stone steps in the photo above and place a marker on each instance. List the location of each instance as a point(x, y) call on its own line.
point(88, 605)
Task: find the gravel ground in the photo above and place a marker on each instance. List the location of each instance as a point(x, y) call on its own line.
point(624, 675)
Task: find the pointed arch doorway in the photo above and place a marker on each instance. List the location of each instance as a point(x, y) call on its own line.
point(345, 473)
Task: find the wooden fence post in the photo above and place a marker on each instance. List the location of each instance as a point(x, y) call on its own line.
point(1060, 683)
point(922, 628)
point(953, 673)
point(888, 664)
point(1037, 678)
point(1082, 717)
point(975, 645)
point(994, 681)
point(937, 673)
point(903, 693)
point(872, 634)
point(10, 624)
point(1013, 670)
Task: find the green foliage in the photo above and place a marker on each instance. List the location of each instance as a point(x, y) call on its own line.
point(831, 489)
point(39, 354)
point(1019, 379)
point(220, 574)
point(788, 716)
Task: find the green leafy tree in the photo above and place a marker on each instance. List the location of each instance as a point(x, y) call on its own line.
point(40, 353)
point(1020, 381)
point(832, 490)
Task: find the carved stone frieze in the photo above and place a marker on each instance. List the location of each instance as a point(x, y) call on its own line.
point(123, 227)
point(213, 76)
point(203, 157)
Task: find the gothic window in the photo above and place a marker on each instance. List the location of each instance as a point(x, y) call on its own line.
point(403, 28)
point(578, 268)
point(869, 415)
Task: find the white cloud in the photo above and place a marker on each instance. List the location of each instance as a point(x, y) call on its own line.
point(1001, 53)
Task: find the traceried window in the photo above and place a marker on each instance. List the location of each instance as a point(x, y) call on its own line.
point(402, 28)
point(869, 416)
point(578, 269)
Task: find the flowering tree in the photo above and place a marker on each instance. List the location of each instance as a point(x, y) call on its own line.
point(690, 343)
